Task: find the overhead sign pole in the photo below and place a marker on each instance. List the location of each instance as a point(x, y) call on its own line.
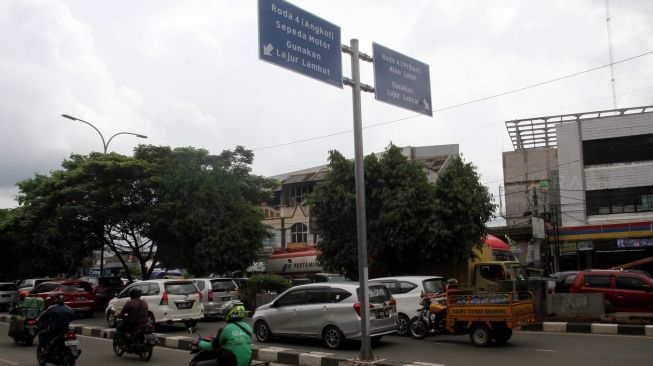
point(361, 222)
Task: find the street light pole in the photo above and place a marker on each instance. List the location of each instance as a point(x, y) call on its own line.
point(105, 146)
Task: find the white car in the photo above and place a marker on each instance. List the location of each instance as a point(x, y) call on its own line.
point(167, 300)
point(406, 291)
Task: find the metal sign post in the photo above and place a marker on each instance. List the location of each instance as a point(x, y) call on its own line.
point(361, 222)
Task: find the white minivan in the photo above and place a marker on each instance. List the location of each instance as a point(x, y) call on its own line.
point(406, 291)
point(168, 300)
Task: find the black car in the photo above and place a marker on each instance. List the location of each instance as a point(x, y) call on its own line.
point(106, 288)
point(564, 281)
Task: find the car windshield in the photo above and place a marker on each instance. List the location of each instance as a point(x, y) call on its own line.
point(223, 285)
point(76, 287)
point(180, 288)
point(378, 294)
point(434, 285)
point(8, 287)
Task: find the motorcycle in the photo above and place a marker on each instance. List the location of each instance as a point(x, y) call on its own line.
point(204, 357)
point(141, 342)
point(62, 350)
point(21, 329)
point(430, 318)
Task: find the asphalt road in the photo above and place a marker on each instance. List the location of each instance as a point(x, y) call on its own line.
point(534, 348)
point(95, 351)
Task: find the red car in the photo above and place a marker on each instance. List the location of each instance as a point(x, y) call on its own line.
point(626, 291)
point(77, 294)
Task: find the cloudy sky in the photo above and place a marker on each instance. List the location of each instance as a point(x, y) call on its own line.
point(187, 73)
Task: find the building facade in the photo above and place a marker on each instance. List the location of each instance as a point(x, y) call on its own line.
point(590, 176)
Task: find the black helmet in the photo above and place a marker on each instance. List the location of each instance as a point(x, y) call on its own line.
point(135, 293)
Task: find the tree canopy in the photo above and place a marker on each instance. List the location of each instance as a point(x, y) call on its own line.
point(409, 220)
point(180, 207)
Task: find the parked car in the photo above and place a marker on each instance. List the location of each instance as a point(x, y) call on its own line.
point(564, 281)
point(8, 294)
point(329, 311)
point(107, 288)
point(624, 290)
point(25, 286)
point(76, 294)
point(406, 291)
point(215, 292)
point(168, 301)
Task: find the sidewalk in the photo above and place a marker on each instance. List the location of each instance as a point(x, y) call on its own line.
point(614, 324)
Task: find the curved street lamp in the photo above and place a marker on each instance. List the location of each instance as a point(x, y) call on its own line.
point(105, 145)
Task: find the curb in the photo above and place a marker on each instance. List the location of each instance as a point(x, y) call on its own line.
point(274, 355)
point(590, 328)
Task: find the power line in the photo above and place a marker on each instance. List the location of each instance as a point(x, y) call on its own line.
point(458, 105)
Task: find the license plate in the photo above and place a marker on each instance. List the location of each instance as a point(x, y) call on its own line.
point(7, 295)
point(79, 298)
point(71, 343)
point(184, 305)
point(382, 314)
point(225, 298)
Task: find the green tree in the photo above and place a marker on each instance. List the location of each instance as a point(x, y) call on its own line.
point(408, 218)
point(102, 198)
point(208, 215)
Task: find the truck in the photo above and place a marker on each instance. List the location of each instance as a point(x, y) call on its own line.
point(495, 263)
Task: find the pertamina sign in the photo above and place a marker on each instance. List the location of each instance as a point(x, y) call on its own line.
point(297, 40)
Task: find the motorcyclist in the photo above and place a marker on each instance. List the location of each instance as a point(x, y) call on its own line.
point(133, 314)
point(233, 343)
point(58, 317)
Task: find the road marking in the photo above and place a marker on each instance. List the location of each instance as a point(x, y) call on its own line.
point(545, 350)
point(2, 360)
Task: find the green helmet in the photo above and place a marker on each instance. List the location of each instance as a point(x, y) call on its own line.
point(233, 310)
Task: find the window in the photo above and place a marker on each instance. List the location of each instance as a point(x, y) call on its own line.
point(597, 281)
point(393, 287)
point(317, 296)
point(624, 149)
point(433, 286)
point(223, 285)
point(180, 288)
point(151, 289)
point(338, 294)
point(8, 287)
point(76, 287)
point(405, 286)
point(200, 284)
point(493, 272)
point(630, 283)
point(299, 233)
point(291, 298)
point(378, 294)
point(269, 240)
point(623, 200)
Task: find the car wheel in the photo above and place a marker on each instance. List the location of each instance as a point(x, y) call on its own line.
point(263, 333)
point(402, 325)
point(333, 337)
point(480, 335)
point(190, 323)
point(111, 319)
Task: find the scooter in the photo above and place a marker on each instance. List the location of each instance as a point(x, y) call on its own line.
point(62, 350)
point(140, 342)
point(26, 328)
point(204, 357)
point(431, 317)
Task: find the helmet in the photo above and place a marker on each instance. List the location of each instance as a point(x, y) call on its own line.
point(452, 282)
point(135, 293)
point(58, 299)
point(233, 310)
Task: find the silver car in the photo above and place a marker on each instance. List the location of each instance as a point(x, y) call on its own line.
point(8, 294)
point(215, 292)
point(327, 311)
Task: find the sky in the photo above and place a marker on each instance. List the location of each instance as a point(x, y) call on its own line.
point(187, 73)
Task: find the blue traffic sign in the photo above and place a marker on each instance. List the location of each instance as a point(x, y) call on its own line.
point(297, 40)
point(401, 80)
